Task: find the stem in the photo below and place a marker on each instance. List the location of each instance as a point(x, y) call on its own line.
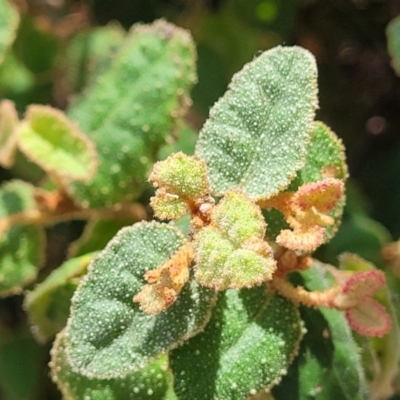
point(45, 217)
point(300, 295)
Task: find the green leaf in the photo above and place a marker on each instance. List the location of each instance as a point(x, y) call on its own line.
point(9, 20)
point(247, 346)
point(393, 38)
point(132, 108)
point(150, 382)
point(90, 53)
point(329, 365)
point(231, 253)
point(257, 134)
point(325, 158)
point(21, 247)
point(57, 145)
point(8, 138)
point(107, 334)
point(49, 303)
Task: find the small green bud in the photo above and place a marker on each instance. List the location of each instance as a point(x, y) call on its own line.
point(181, 174)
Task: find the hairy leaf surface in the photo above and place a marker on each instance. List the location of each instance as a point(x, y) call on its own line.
point(147, 383)
point(132, 108)
point(107, 334)
point(256, 136)
point(247, 346)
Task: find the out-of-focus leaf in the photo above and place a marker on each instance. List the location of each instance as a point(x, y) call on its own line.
point(21, 247)
point(393, 36)
point(21, 364)
point(361, 235)
point(257, 134)
point(149, 382)
point(9, 20)
point(132, 108)
point(247, 346)
point(8, 138)
point(36, 48)
point(48, 138)
point(49, 303)
point(91, 52)
point(107, 334)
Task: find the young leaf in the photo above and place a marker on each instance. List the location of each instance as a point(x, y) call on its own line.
point(107, 334)
point(21, 247)
point(132, 108)
point(393, 37)
point(9, 20)
point(257, 134)
point(246, 347)
point(325, 159)
point(48, 304)
point(8, 138)
point(150, 382)
point(49, 139)
point(329, 365)
point(231, 253)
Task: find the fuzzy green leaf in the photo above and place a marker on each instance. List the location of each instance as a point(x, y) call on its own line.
point(329, 364)
point(246, 347)
point(393, 37)
point(150, 382)
point(49, 303)
point(8, 138)
point(132, 108)
point(325, 158)
point(107, 334)
point(257, 134)
point(9, 20)
point(21, 247)
point(49, 139)
point(231, 253)
point(90, 53)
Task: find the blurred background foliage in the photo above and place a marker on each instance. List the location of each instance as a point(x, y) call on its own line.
point(55, 55)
